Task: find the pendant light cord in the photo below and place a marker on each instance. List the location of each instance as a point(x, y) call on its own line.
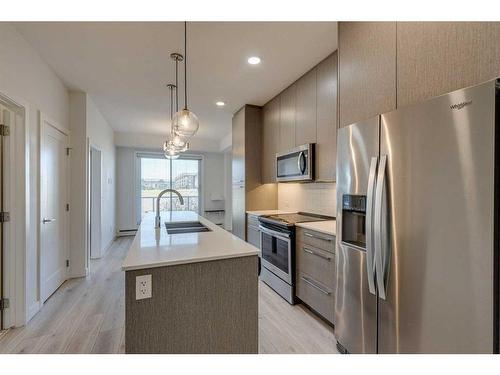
point(171, 110)
point(176, 85)
point(185, 65)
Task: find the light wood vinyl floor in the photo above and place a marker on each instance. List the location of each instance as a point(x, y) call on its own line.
point(86, 315)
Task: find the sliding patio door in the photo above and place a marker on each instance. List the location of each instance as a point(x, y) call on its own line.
point(158, 173)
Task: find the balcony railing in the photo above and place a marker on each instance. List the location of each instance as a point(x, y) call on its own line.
point(148, 204)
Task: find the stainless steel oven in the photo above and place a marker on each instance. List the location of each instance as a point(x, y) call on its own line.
point(276, 248)
point(277, 260)
point(296, 164)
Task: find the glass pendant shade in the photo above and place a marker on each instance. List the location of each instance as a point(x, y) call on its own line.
point(171, 152)
point(186, 123)
point(178, 141)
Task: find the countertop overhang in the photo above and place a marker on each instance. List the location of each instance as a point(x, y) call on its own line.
point(154, 247)
point(326, 227)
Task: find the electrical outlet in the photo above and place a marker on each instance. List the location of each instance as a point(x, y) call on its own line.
point(143, 286)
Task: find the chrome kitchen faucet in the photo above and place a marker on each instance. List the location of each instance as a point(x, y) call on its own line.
point(158, 218)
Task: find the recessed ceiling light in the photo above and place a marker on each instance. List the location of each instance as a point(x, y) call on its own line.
point(254, 60)
point(220, 104)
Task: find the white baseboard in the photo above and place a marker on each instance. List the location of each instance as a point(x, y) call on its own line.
point(32, 310)
point(108, 246)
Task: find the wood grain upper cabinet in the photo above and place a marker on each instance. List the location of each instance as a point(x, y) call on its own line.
point(367, 70)
point(326, 126)
point(270, 131)
point(438, 57)
point(305, 115)
point(287, 119)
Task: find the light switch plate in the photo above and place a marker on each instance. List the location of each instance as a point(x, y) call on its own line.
point(143, 286)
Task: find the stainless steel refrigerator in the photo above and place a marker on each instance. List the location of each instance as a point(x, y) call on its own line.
point(418, 227)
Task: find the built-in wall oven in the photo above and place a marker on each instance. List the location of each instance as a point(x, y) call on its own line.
point(296, 164)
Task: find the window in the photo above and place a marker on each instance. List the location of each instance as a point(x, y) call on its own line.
point(157, 174)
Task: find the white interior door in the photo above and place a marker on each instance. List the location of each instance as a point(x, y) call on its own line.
point(54, 218)
point(95, 203)
point(7, 117)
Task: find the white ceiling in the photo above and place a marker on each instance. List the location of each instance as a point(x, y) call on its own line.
point(125, 66)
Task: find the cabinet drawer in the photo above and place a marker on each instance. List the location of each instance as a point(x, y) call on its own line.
point(318, 263)
point(318, 296)
point(319, 240)
point(253, 236)
point(253, 220)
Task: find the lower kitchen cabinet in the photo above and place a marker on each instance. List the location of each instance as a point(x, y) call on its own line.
point(253, 231)
point(315, 271)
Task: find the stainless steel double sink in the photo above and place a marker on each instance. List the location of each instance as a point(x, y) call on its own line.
point(186, 227)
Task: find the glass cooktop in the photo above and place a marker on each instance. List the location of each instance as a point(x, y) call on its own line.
point(292, 219)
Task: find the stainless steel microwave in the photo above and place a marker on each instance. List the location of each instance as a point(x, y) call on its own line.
point(296, 164)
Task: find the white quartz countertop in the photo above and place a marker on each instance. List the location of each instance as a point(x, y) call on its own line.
point(327, 227)
point(156, 248)
point(269, 212)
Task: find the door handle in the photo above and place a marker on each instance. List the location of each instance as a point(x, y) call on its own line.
point(381, 237)
point(370, 265)
point(45, 220)
point(309, 251)
point(314, 285)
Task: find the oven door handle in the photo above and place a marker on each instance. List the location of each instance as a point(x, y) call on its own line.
point(274, 233)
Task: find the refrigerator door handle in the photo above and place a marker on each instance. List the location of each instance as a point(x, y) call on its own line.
point(370, 264)
point(381, 241)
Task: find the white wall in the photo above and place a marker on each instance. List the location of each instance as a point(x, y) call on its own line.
point(78, 185)
point(126, 218)
point(228, 187)
point(150, 141)
point(25, 78)
point(318, 198)
point(212, 184)
point(101, 136)
point(88, 127)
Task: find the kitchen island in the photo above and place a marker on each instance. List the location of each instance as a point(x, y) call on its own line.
point(204, 290)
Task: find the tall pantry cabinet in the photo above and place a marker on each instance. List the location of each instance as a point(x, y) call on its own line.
point(248, 191)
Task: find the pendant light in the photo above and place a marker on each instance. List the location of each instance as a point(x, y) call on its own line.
point(178, 140)
point(171, 152)
point(185, 122)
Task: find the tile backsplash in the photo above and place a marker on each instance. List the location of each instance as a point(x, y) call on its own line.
point(319, 198)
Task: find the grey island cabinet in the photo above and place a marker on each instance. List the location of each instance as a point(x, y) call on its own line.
point(190, 292)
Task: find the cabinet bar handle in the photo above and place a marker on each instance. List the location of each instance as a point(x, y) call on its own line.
point(311, 283)
point(318, 237)
point(309, 251)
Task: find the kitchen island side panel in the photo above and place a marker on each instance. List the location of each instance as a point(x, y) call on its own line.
point(206, 307)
